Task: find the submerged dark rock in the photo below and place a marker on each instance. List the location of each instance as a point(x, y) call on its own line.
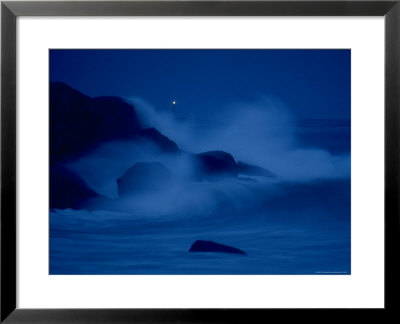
point(143, 177)
point(210, 246)
point(79, 123)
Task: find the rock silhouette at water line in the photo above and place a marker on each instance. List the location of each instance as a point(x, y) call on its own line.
point(210, 246)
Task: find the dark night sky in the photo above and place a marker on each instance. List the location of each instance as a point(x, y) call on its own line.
point(311, 83)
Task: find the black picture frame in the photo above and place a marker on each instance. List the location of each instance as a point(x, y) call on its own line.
point(10, 10)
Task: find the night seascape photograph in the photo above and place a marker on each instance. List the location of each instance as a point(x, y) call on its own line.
point(200, 162)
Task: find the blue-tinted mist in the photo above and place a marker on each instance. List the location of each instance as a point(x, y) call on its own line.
point(255, 154)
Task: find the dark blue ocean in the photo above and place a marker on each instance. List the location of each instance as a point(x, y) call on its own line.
point(297, 222)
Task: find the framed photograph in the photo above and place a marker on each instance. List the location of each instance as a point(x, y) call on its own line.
point(198, 161)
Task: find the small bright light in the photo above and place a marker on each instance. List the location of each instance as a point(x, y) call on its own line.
point(174, 102)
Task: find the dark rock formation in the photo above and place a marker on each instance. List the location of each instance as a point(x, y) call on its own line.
point(216, 163)
point(219, 163)
point(254, 170)
point(163, 143)
point(143, 177)
point(210, 246)
point(79, 123)
point(67, 190)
